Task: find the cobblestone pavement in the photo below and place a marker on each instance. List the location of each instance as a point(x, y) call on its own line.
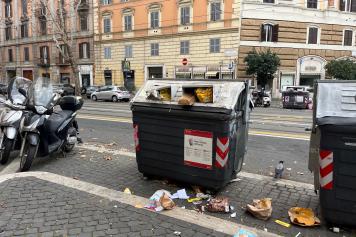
point(33, 207)
point(121, 172)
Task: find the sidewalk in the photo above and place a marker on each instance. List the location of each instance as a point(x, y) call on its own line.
point(109, 169)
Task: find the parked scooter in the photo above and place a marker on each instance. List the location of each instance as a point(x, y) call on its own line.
point(11, 116)
point(45, 132)
point(261, 98)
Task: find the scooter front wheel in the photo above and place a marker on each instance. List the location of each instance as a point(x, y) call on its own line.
point(27, 157)
point(7, 145)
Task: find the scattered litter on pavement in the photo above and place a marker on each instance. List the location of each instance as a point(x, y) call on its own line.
point(218, 204)
point(233, 215)
point(289, 169)
point(244, 233)
point(243, 164)
point(108, 158)
point(139, 205)
point(160, 200)
point(336, 230)
point(94, 138)
point(75, 177)
point(183, 207)
point(177, 233)
point(83, 156)
point(111, 144)
point(300, 173)
point(127, 191)
point(180, 194)
point(261, 208)
point(115, 206)
point(265, 229)
point(303, 216)
point(297, 235)
point(198, 202)
point(196, 199)
point(282, 223)
point(278, 172)
point(235, 180)
point(203, 196)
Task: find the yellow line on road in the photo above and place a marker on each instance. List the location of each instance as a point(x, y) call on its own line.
point(251, 132)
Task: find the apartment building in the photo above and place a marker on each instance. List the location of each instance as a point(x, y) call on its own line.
point(140, 39)
point(27, 46)
point(305, 34)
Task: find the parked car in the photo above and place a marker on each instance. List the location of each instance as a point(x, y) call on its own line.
point(111, 93)
point(64, 89)
point(89, 90)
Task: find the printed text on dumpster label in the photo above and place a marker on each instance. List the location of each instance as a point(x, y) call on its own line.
point(198, 148)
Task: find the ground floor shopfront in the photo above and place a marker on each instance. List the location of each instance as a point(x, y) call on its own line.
point(299, 67)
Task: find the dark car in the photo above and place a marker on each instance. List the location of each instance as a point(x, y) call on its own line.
point(89, 90)
point(64, 89)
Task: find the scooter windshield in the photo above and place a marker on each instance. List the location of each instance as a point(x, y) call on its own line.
point(42, 92)
point(14, 86)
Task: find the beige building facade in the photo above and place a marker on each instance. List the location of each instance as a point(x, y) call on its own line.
point(27, 47)
point(305, 35)
point(137, 40)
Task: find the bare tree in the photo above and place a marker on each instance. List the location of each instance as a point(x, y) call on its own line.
point(63, 18)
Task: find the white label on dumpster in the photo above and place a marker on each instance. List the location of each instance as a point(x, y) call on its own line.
point(198, 148)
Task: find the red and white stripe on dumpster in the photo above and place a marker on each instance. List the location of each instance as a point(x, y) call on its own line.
point(222, 151)
point(137, 142)
point(326, 162)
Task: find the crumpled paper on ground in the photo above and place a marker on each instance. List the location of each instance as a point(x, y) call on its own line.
point(261, 208)
point(303, 216)
point(218, 204)
point(160, 200)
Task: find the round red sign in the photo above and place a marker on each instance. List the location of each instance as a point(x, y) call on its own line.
point(184, 61)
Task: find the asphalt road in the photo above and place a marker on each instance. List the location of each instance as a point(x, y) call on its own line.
point(275, 134)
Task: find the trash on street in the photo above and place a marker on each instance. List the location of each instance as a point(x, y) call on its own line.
point(204, 95)
point(261, 208)
point(282, 223)
point(180, 194)
point(187, 99)
point(193, 199)
point(160, 200)
point(127, 191)
point(244, 233)
point(233, 215)
point(303, 216)
point(218, 204)
point(279, 170)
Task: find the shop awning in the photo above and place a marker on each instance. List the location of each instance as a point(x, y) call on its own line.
point(211, 73)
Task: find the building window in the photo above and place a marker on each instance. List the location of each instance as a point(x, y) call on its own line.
point(214, 45)
point(269, 33)
point(268, 1)
point(312, 4)
point(128, 22)
point(154, 19)
point(128, 51)
point(106, 2)
point(83, 22)
point(313, 35)
point(185, 15)
point(11, 59)
point(154, 49)
point(8, 10)
point(348, 5)
point(348, 36)
point(24, 7)
point(84, 50)
point(108, 77)
point(26, 54)
point(8, 33)
point(107, 25)
point(24, 30)
point(44, 54)
point(107, 53)
point(43, 26)
point(184, 47)
point(215, 11)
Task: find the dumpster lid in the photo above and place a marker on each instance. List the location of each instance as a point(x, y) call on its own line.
point(336, 99)
point(225, 92)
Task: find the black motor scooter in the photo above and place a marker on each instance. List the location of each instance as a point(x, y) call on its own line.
point(45, 131)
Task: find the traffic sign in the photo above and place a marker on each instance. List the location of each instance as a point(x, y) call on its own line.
point(184, 61)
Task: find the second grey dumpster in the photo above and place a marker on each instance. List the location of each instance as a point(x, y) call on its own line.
point(335, 131)
point(203, 144)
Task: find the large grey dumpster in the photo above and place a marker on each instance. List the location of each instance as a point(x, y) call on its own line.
point(334, 140)
point(203, 144)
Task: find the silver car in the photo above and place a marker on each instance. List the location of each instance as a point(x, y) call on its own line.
point(112, 93)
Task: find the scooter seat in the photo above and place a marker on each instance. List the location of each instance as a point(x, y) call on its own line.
point(57, 118)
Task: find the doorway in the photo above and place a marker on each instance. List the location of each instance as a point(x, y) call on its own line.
point(10, 74)
point(85, 80)
point(108, 77)
point(27, 74)
point(308, 80)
